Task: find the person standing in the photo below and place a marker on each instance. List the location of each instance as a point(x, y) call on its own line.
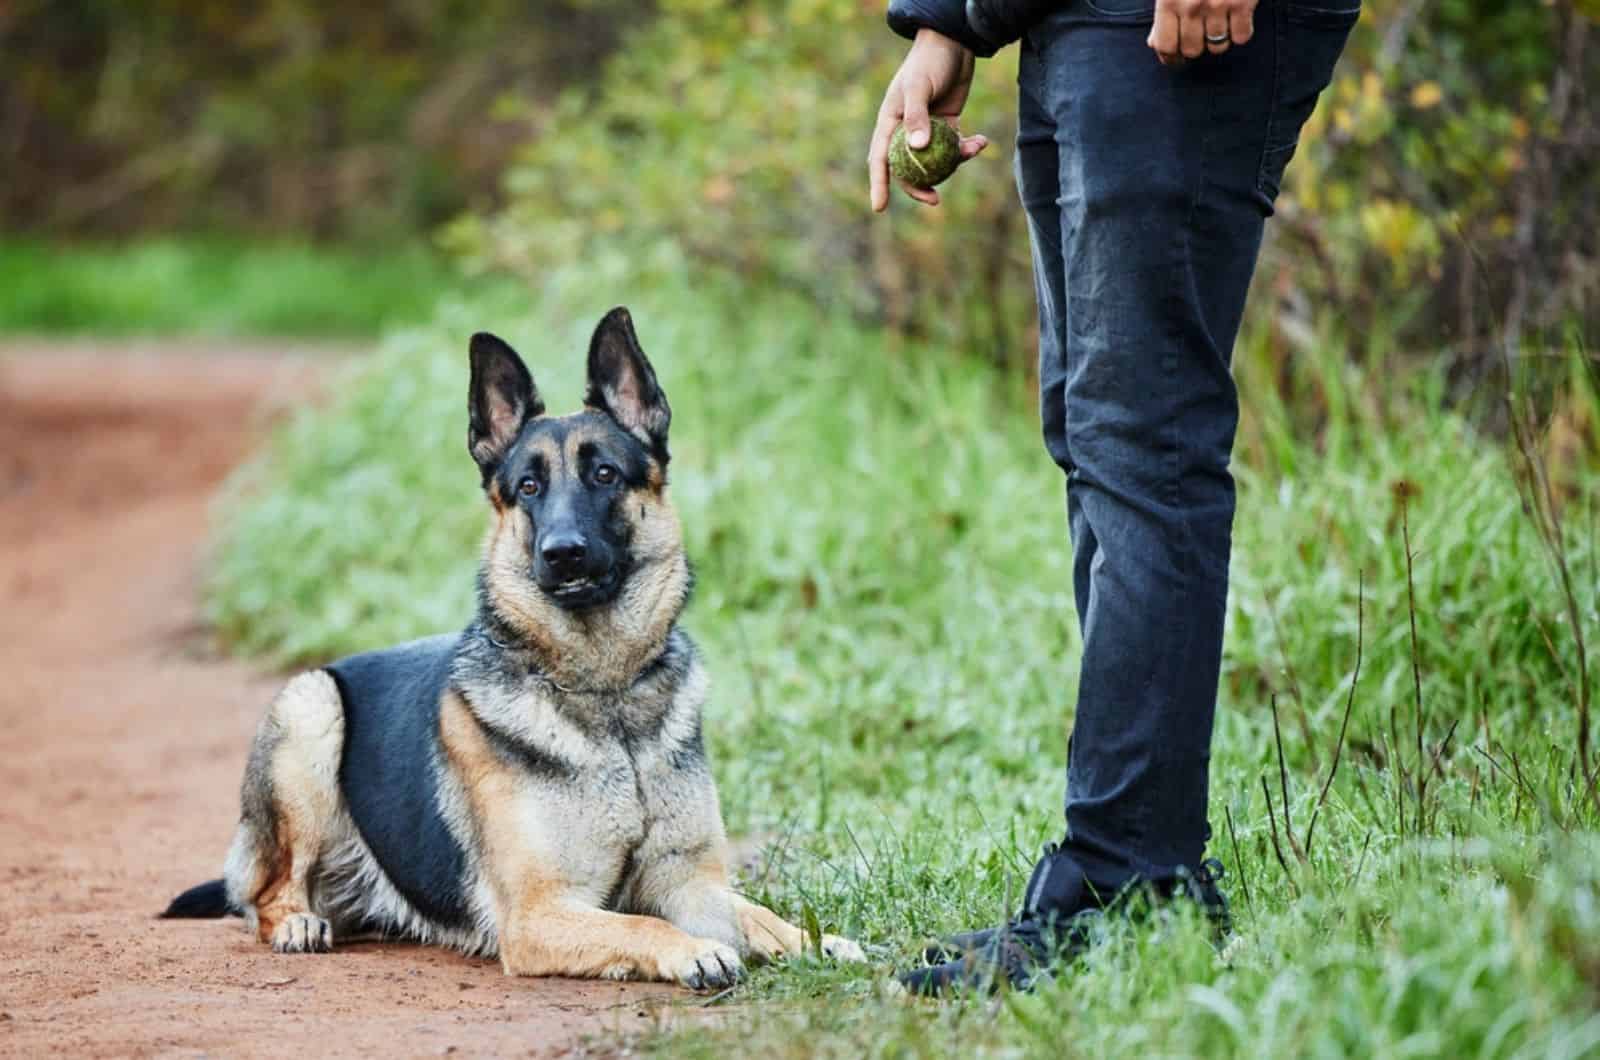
point(1152, 139)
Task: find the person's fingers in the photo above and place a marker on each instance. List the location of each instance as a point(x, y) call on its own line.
point(926, 196)
point(1216, 26)
point(878, 154)
point(1192, 34)
point(1242, 23)
point(915, 95)
point(972, 145)
point(1163, 37)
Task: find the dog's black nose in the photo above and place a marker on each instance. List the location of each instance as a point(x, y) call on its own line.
point(564, 554)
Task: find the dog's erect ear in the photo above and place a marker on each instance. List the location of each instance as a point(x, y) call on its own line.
point(623, 385)
point(501, 400)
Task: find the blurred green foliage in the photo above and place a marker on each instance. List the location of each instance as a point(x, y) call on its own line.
point(1443, 199)
point(214, 286)
point(1443, 193)
point(1443, 196)
point(288, 117)
point(738, 133)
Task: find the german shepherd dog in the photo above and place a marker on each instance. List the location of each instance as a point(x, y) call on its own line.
point(535, 786)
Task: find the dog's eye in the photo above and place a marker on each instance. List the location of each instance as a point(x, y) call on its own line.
point(528, 487)
point(605, 474)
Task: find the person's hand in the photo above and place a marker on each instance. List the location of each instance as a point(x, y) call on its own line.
point(934, 79)
point(1187, 29)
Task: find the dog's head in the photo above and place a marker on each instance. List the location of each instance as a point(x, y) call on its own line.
point(580, 499)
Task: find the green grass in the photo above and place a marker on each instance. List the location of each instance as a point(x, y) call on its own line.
point(884, 601)
point(217, 288)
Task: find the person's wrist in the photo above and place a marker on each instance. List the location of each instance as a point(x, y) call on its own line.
point(928, 37)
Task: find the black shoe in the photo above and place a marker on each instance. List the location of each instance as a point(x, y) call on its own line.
point(1057, 886)
point(1016, 956)
point(1017, 951)
point(1200, 887)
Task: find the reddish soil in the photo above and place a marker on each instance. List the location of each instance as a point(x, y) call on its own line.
point(123, 736)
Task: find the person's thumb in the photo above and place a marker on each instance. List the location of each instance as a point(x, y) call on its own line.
point(916, 118)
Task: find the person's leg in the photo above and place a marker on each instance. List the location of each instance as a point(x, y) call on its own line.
point(1146, 188)
point(1165, 178)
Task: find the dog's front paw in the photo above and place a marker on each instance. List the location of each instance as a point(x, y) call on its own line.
point(302, 933)
point(706, 965)
point(842, 949)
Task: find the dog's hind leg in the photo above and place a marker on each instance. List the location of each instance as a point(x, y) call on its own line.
point(290, 804)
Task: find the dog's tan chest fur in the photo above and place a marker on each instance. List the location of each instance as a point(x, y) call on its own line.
point(629, 786)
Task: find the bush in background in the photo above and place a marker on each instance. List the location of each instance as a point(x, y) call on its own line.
point(1442, 195)
point(738, 133)
point(286, 118)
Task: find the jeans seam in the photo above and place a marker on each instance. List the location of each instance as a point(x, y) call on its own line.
point(1272, 104)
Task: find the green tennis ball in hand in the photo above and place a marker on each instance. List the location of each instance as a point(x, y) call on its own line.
point(930, 165)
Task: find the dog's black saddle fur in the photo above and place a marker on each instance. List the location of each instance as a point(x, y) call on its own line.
point(390, 770)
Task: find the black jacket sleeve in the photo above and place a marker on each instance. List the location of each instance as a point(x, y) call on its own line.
point(945, 16)
point(985, 26)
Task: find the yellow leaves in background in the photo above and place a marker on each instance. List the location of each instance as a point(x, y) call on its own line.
point(1426, 94)
point(1358, 109)
point(1406, 237)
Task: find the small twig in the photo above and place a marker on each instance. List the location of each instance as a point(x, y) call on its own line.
point(1550, 646)
point(1238, 861)
point(1349, 705)
point(1294, 684)
point(1533, 796)
point(1397, 769)
point(1438, 751)
point(717, 998)
point(1443, 745)
point(1416, 661)
point(1360, 861)
point(1276, 848)
point(1283, 782)
point(1517, 782)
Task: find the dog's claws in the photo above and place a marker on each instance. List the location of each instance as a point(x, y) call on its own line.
point(302, 933)
point(716, 967)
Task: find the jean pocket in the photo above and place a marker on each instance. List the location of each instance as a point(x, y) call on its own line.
point(1311, 38)
point(1122, 10)
point(1334, 14)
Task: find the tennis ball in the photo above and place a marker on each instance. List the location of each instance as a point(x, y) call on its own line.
point(932, 164)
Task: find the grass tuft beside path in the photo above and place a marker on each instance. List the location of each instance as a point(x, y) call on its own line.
point(215, 287)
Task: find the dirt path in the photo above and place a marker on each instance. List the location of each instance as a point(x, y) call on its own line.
point(122, 738)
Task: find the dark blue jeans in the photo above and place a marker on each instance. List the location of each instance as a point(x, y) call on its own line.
point(1146, 189)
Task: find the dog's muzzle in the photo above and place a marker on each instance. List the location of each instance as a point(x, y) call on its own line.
point(575, 572)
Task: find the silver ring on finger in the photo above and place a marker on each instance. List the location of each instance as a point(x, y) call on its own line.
point(1221, 38)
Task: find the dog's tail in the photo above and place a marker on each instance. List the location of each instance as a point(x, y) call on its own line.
point(207, 901)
